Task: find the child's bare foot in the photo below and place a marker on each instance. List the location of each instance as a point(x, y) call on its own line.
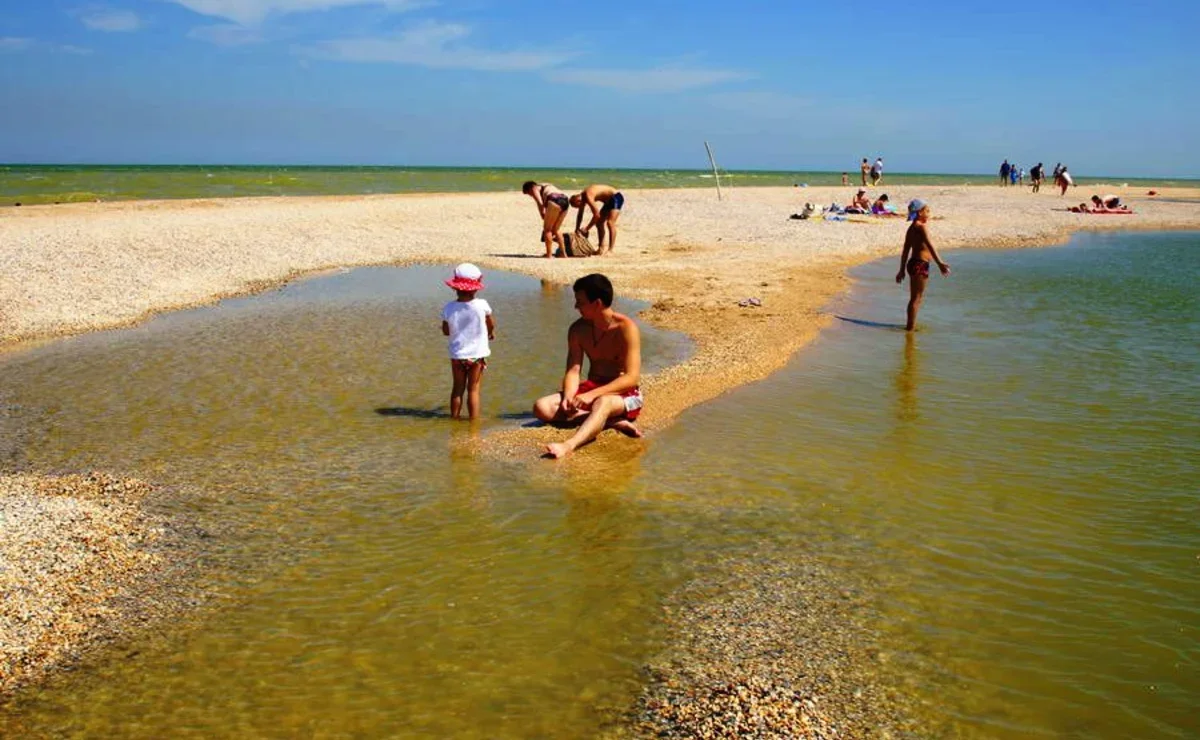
point(627, 427)
point(558, 450)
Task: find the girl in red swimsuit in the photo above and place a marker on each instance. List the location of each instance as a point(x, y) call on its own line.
point(915, 257)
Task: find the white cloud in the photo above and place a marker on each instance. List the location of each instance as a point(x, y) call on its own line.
point(253, 12)
point(660, 79)
point(226, 34)
point(13, 43)
point(110, 19)
point(431, 45)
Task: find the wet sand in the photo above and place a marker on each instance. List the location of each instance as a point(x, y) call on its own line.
point(74, 268)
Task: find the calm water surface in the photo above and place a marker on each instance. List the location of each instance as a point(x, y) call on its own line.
point(1023, 472)
point(1018, 478)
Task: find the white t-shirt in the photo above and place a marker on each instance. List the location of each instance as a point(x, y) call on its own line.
point(468, 328)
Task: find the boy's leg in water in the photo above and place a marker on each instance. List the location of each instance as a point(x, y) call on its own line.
point(916, 295)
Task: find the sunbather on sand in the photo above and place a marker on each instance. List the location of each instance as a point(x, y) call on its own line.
point(881, 207)
point(860, 203)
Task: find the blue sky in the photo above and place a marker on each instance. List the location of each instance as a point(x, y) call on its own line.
point(932, 86)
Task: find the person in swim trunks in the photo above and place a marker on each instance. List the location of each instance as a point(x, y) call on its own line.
point(606, 203)
point(915, 257)
point(552, 205)
point(610, 397)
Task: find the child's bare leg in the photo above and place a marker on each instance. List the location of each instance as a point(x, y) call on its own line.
point(602, 409)
point(474, 381)
point(456, 393)
point(916, 295)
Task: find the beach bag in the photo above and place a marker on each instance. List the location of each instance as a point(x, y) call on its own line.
point(578, 245)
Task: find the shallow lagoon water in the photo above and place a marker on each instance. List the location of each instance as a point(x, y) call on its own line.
point(380, 578)
point(1018, 478)
point(1020, 475)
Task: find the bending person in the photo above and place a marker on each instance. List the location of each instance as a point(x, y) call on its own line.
point(552, 206)
point(606, 203)
point(1107, 203)
point(610, 397)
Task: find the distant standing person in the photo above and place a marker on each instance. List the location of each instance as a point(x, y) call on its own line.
point(877, 171)
point(865, 170)
point(605, 203)
point(915, 257)
point(610, 397)
point(1064, 180)
point(845, 179)
point(1005, 170)
point(468, 322)
point(1036, 175)
point(552, 205)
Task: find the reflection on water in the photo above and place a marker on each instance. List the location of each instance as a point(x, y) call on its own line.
point(906, 381)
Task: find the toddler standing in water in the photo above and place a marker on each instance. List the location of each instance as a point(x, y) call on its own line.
point(468, 322)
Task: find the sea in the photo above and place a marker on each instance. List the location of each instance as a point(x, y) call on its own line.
point(1017, 479)
point(40, 184)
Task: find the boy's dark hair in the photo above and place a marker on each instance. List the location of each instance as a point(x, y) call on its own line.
point(595, 287)
point(528, 187)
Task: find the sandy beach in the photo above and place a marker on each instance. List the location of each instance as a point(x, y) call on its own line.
point(69, 269)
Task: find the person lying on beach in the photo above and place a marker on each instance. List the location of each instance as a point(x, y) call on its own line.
point(915, 257)
point(860, 203)
point(610, 397)
point(605, 203)
point(552, 205)
point(1081, 208)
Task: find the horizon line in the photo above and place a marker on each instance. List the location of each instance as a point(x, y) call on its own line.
point(543, 167)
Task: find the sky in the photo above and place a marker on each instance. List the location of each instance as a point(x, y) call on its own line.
point(931, 86)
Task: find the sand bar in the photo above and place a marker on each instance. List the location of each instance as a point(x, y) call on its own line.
point(68, 269)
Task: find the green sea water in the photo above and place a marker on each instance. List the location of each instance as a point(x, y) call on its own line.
point(1018, 480)
point(36, 184)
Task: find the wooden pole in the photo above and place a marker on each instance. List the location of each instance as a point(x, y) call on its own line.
point(713, 162)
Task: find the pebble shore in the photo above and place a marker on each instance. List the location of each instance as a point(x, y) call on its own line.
point(769, 644)
point(83, 560)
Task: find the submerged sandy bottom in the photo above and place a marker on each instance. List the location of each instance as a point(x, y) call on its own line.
point(70, 269)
